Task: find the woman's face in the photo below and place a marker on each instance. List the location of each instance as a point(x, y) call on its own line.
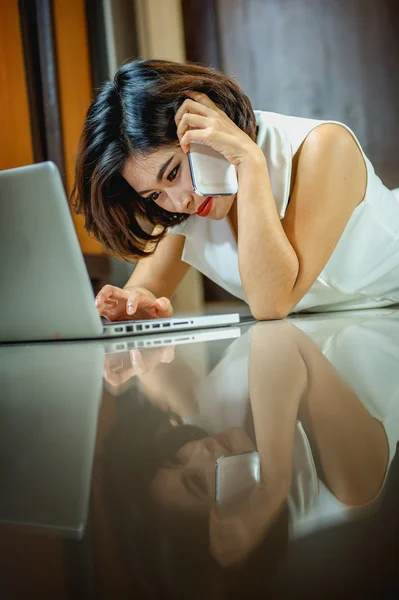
point(189, 484)
point(164, 178)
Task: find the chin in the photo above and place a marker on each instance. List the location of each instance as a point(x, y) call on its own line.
point(222, 210)
point(218, 216)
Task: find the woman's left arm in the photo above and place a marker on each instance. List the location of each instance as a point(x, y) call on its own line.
point(287, 256)
point(280, 260)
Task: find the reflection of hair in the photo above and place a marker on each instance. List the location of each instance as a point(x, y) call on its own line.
point(134, 114)
point(141, 441)
point(167, 554)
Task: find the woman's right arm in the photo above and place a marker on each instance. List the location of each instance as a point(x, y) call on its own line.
point(162, 272)
point(148, 291)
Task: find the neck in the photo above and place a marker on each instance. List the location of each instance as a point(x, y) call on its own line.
point(233, 217)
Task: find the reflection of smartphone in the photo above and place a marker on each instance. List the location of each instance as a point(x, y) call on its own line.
point(236, 476)
point(211, 173)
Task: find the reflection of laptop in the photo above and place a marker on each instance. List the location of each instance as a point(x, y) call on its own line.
point(46, 292)
point(49, 406)
point(49, 403)
point(160, 340)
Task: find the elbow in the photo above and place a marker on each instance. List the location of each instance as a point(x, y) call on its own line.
point(269, 313)
point(274, 304)
point(271, 308)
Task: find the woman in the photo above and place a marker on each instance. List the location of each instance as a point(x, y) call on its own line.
point(311, 228)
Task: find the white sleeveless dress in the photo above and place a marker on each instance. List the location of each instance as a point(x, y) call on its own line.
point(362, 272)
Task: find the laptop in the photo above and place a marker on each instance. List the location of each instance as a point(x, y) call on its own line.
point(46, 290)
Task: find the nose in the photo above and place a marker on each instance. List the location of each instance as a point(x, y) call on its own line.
point(210, 449)
point(203, 451)
point(183, 201)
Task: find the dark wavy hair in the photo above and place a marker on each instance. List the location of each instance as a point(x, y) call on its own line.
point(134, 114)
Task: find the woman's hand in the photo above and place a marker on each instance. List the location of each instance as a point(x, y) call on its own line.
point(120, 367)
point(200, 120)
point(235, 534)
point(168, 382)
point(118, 304)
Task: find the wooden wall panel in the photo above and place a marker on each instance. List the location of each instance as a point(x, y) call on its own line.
point(201, 32)
point(331, 59)
point(75, 91)
point(160, 29)
point(15, 132)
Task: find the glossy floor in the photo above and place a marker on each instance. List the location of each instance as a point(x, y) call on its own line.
point(108, 457)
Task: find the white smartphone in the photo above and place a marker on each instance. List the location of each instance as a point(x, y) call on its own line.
point(236, 475)
point(211, 173)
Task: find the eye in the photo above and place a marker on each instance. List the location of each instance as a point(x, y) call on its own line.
point(153, 197)
point(173, 174)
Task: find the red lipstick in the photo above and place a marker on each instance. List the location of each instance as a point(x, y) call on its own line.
point(206, 207)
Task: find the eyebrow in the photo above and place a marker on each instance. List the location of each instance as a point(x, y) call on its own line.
point(161, 173)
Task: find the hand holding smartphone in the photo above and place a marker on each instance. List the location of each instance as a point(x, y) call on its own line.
point(211, 173)
point(236, 476)
point(242, 516)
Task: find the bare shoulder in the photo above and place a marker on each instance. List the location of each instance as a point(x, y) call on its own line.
point(331, 153)
point(333, 137)
point(329, 182)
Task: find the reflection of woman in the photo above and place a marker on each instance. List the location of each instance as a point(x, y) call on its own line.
point(363, 348)
point(312, 226)
point(304, 418)
point(159, 481)
point(162, 532)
